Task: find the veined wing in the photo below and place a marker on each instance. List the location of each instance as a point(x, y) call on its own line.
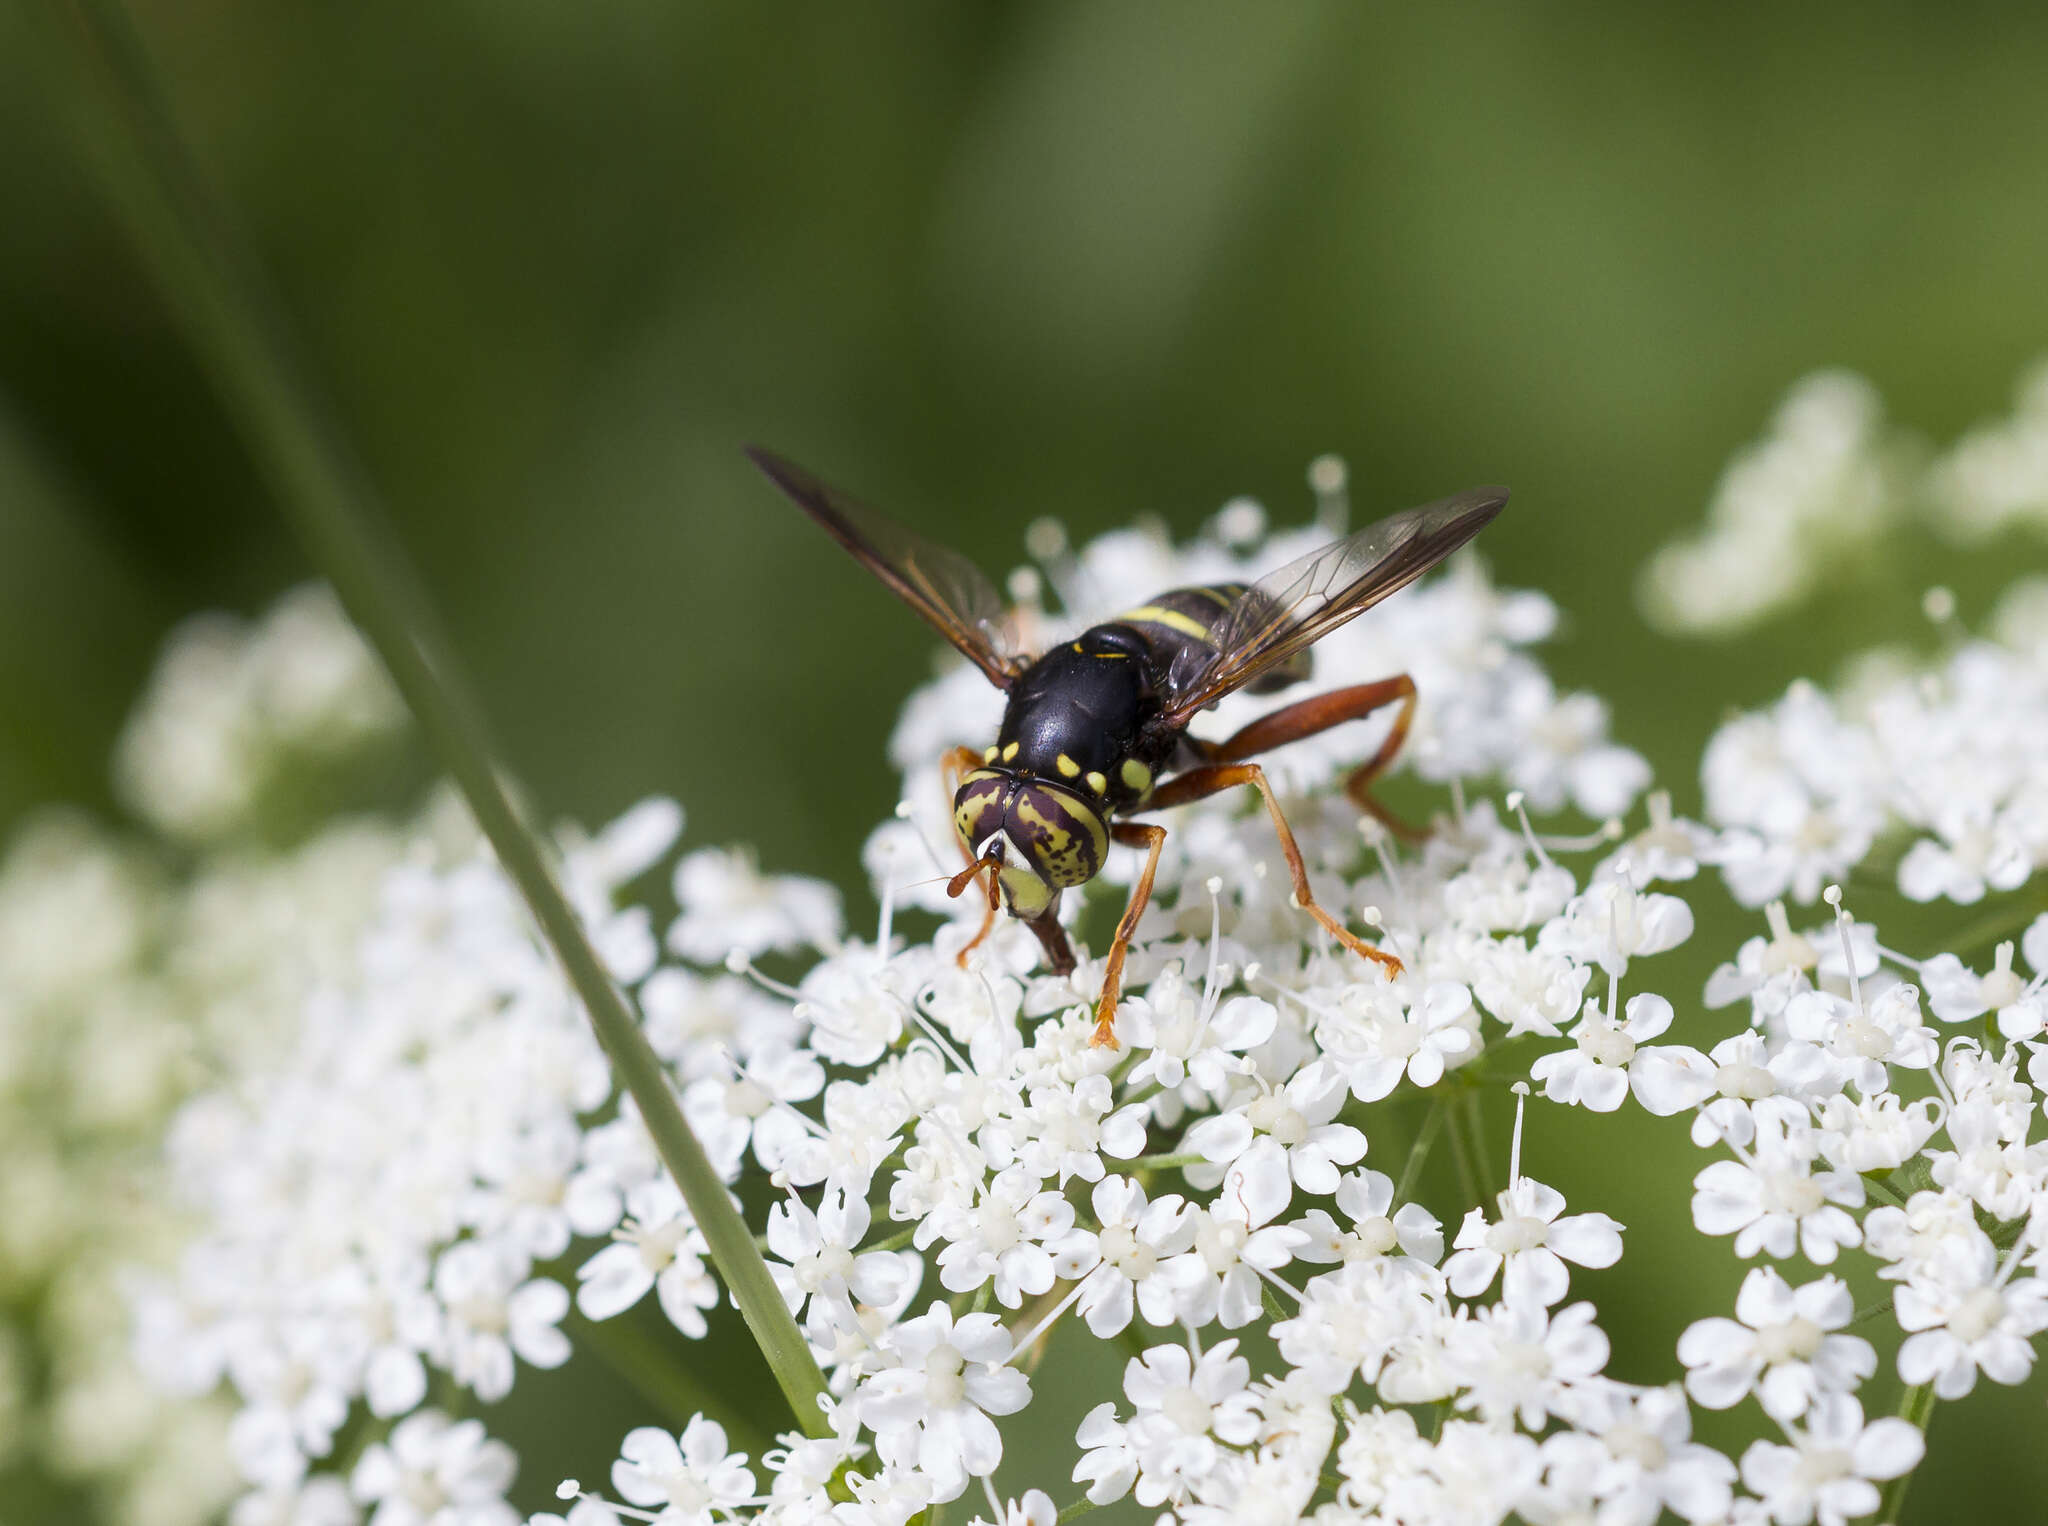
point(954, 596)
point(1290, 610)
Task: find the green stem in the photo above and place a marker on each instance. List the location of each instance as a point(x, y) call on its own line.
point(1425, 1137)
point(1166, 1162)
point(1080, 1506)
point(1475, 1128)
point(215, 289)
point(1461, 1157)
point(1916, 1407)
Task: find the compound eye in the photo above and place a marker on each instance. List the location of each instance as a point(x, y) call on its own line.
point(1064, 837)
point(978, 810)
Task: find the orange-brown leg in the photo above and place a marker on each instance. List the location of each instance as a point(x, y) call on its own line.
point(1200, 783)
point(953, 767)
point(1307, 717)
point(1132, 834)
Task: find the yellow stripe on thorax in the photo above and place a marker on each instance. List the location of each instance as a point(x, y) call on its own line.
point(1172, 619)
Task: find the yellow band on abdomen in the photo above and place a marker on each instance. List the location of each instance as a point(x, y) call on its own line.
point(1172, 619)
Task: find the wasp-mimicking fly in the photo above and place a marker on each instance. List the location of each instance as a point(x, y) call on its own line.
point(1096, 728)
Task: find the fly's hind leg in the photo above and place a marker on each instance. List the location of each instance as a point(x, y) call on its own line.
point(953, 768)
point(1132, 834)
point(1307, 717)
point(1200, 783)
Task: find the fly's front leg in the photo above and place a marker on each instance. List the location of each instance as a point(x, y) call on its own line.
point(1307, 717)
point(952, 769)
point(1132, 834)
point(1200, 783)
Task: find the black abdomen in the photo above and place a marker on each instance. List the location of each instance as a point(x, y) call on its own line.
point(1179, 625)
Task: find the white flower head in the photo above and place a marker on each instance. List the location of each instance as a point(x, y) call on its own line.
point(1532, 1243)
point(690, 1477)
point(1775, 1201)
point(1830, 1471)
point(1186, 1412)
point(1137, 1242)
point(930, 1409)
point(659, 1248)
point(1612, 922)
point(432, 1471)
point(1785, 1344)
point(1610, 1056)
point(728, 905)
point(1967, 1320)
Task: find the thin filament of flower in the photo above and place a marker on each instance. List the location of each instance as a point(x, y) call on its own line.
point(1833, 896)
point(741, 1073)
point(1379, 840)
point(740, 962)
point(1610, 830)
point(1521, 1090)
point(931, 1032)
point(1030, 1339)
point(1279, 1282)
point(1516, 803)
point(884, 922)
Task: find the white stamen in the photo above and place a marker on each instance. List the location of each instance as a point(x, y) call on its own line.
point(1045, 538)
point(1279, 1282)
point(1610, 830)
point(885, 922)
point(1026, 1342)
point(1380, 850)
point(1211, 980)
point(1521, 1091)
point(1515, 804)
point(932, 1032)
point(1843, 922)
point(740, 964)
point(1329, 478)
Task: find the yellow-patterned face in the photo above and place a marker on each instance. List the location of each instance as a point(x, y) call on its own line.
point(1052, 837)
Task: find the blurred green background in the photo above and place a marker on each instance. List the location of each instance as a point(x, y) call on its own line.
point(554, 264)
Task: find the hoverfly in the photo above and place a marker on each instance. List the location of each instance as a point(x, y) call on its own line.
point(1096, 727)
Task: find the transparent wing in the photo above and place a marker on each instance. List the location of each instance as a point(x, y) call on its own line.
point(952, 594)
point(1290, 610)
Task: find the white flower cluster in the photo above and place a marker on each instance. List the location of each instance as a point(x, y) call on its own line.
point(378, 1193)
point(1824, 480)
point(1952, 759)
point(1997, 474)
point(123, 987)
point(1827, 483)
point(231, 706)
point(959, 1175)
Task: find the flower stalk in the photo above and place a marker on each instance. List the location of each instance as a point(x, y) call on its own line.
point(217, 293)
point(1916, 1408)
